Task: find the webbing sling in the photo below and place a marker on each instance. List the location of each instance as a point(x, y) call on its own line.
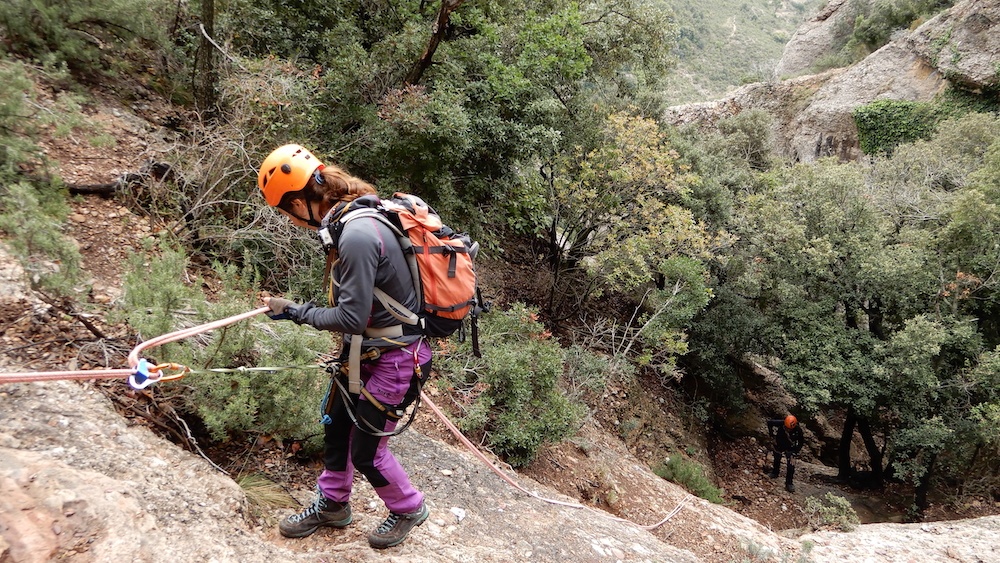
point(354, 351)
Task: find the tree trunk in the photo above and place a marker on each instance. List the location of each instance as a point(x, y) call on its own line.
point(204, 81)
point(923, 487)
point(437, 33)
point(873, 452)
point(844, 452)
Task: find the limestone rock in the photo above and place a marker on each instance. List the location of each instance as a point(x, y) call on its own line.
point(812, 40)
point(963, 44)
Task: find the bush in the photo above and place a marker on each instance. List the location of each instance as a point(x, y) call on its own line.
point(885, 124)
point(876, 20)
point(33, 218)
point(91, 39)
point(513, 395)
point(15, 126)
point(690, 475)
point(282, 402)
point(831, 511)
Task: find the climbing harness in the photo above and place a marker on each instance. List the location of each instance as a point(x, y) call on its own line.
point(339, 372)
point(143, 374)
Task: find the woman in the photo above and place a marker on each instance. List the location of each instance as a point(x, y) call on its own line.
point(366, 255)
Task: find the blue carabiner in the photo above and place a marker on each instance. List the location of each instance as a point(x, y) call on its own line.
point(141, 377)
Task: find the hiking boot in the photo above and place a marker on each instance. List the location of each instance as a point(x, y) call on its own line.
point(789, 475)
point(322, 512)
point(395, 528)
point(773, 475)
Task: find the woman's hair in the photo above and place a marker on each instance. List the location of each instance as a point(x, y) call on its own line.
point(337, 186)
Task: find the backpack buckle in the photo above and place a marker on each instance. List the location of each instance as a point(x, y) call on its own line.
point(326, 238)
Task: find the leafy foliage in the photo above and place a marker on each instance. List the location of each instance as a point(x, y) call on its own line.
point(90, 39)
point(32, 218)
point(517, 403)
point(831, 511)
point(690, 475)
point(874, 21)
point(865, 283)
point(884, 124)
point(16, 129)
point(282, 402)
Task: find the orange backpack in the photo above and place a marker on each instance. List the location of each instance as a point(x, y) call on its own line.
point(441, 264)
point(445, 275)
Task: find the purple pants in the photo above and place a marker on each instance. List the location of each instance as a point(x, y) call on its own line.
point(388, 379)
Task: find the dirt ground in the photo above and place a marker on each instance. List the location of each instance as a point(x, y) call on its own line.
point(658, 424)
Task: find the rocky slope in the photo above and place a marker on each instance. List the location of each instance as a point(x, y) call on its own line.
point(812, 113)
point(80, 483)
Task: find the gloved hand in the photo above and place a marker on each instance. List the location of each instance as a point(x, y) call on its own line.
point(280, 308)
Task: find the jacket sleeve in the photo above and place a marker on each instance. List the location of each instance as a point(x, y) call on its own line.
point(359, 257)
point(772, 424)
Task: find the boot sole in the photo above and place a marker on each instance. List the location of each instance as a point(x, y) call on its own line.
point(305, 533)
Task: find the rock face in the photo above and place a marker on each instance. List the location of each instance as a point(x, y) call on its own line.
point(963, 44)
point(813, 114)
point(812, 41)
point(825, 127)
point(79, 484)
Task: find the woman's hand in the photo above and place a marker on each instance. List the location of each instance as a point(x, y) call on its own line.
point(278, 307)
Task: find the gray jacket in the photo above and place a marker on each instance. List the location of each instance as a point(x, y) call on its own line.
point(369, 256)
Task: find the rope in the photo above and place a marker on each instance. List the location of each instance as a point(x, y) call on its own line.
point(141, 374)
point(472, 447)
point(242, 369)
point(133, 356)
point(54, 375)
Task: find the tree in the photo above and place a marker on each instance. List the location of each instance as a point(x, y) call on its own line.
point(616, 225)
point(438, 31)
point(874, 294)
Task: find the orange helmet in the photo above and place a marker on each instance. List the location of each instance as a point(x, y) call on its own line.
point(286, 169)
point(791, 422)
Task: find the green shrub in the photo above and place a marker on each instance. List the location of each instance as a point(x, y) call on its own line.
point(91, 39)
point(514, 398)
point(885, 124)
point(831, 511)
point(282, 402)
point(15, 123)
point(690, 475)
point(587, 371)
point(875, 20)
point(32, 216)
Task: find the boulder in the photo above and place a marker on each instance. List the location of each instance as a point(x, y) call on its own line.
point(813, 40)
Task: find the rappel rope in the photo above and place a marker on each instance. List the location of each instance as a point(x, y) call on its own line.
point(482, 457)
point(143, 373)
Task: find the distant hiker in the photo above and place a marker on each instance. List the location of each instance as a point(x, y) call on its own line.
point(365, 255)
point(787, 442)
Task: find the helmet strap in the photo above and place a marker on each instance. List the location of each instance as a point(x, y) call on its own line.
point(311, 221)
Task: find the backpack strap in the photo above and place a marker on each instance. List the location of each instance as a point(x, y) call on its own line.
point(393, 307)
